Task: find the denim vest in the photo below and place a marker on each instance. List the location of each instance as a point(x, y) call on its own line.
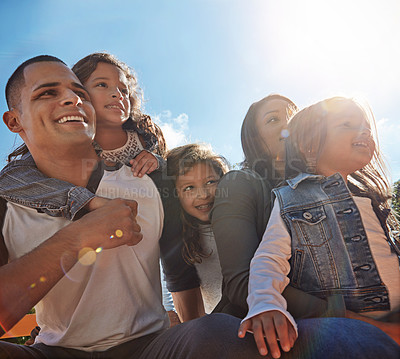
point(330, 250)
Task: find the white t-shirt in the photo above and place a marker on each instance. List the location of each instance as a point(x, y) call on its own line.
point(113, 300)
point(209, 270)
point(270, 265)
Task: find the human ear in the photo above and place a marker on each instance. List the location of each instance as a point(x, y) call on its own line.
point(11, 119)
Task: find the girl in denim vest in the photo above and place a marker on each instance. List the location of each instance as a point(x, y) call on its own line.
point(331, 230)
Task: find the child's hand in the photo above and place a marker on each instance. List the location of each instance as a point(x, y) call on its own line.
point(144, 162)
point(270, 326)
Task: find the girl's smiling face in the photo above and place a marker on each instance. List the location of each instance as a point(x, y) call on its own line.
point(196, 190)
point(109, 92)
point(349, 145)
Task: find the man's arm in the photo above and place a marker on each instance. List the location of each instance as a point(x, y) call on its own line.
point(21, 182)
point(26, 280)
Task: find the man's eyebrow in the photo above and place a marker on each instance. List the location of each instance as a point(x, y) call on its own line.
point(49, 84)
point(55, 84)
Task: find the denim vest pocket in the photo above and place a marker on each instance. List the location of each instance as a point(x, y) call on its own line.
point(310, 225)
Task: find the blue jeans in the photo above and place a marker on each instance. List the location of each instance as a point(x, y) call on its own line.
point(215, 336)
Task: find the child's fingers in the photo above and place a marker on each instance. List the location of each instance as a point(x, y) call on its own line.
point(244, 327)
point(270, 336)
point(147, 168)
point(258, 332)
point(144, 162)
point(281, 326)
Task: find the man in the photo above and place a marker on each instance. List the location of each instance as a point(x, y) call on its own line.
point(94, 282)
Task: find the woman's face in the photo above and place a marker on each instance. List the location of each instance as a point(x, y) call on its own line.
point(109, 92)
point(271, 123)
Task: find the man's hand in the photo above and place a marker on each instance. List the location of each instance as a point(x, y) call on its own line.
point(109, 226)
point(144, 162)
point(270, 326)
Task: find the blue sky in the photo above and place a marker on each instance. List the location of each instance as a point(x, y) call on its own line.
point(201, 63)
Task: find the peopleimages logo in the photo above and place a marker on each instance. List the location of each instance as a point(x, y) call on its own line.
point(134, 193)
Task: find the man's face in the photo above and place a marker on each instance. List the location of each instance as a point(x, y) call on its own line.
point(55, 110)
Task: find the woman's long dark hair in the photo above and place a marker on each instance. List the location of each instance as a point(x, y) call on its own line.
point(256, 156)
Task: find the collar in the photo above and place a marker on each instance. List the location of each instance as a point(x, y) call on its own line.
point(294, 182)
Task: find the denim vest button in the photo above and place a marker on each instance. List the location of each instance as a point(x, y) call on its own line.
point(333, 184)
point(356, 238)
point(363, 267)
point(307, 215)
point(376, 299)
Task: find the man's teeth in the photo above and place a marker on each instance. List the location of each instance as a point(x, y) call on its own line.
point(360, 144)
point(71, 118)
point(113, 106)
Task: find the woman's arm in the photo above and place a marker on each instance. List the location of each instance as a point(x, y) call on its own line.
point(21, 182)
point(188, 304)
point(235, 221)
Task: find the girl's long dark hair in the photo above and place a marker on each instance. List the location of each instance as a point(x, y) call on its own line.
point(137, 121)
point(179, 161)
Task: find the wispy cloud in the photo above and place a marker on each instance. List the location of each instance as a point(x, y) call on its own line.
point(174, 128)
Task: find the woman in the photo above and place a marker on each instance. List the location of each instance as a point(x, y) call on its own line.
point(242, 210)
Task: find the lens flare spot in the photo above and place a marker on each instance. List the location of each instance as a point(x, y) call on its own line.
point(119, 233)
point(86, 256)
point(99, 249)
point(285, 133)
point(33, 285)
point(42, 279)
point(112, 236)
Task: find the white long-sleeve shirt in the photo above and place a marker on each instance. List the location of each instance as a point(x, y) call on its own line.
point(270, 266)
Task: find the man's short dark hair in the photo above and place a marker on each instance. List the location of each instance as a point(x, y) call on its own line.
point(17, 79)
